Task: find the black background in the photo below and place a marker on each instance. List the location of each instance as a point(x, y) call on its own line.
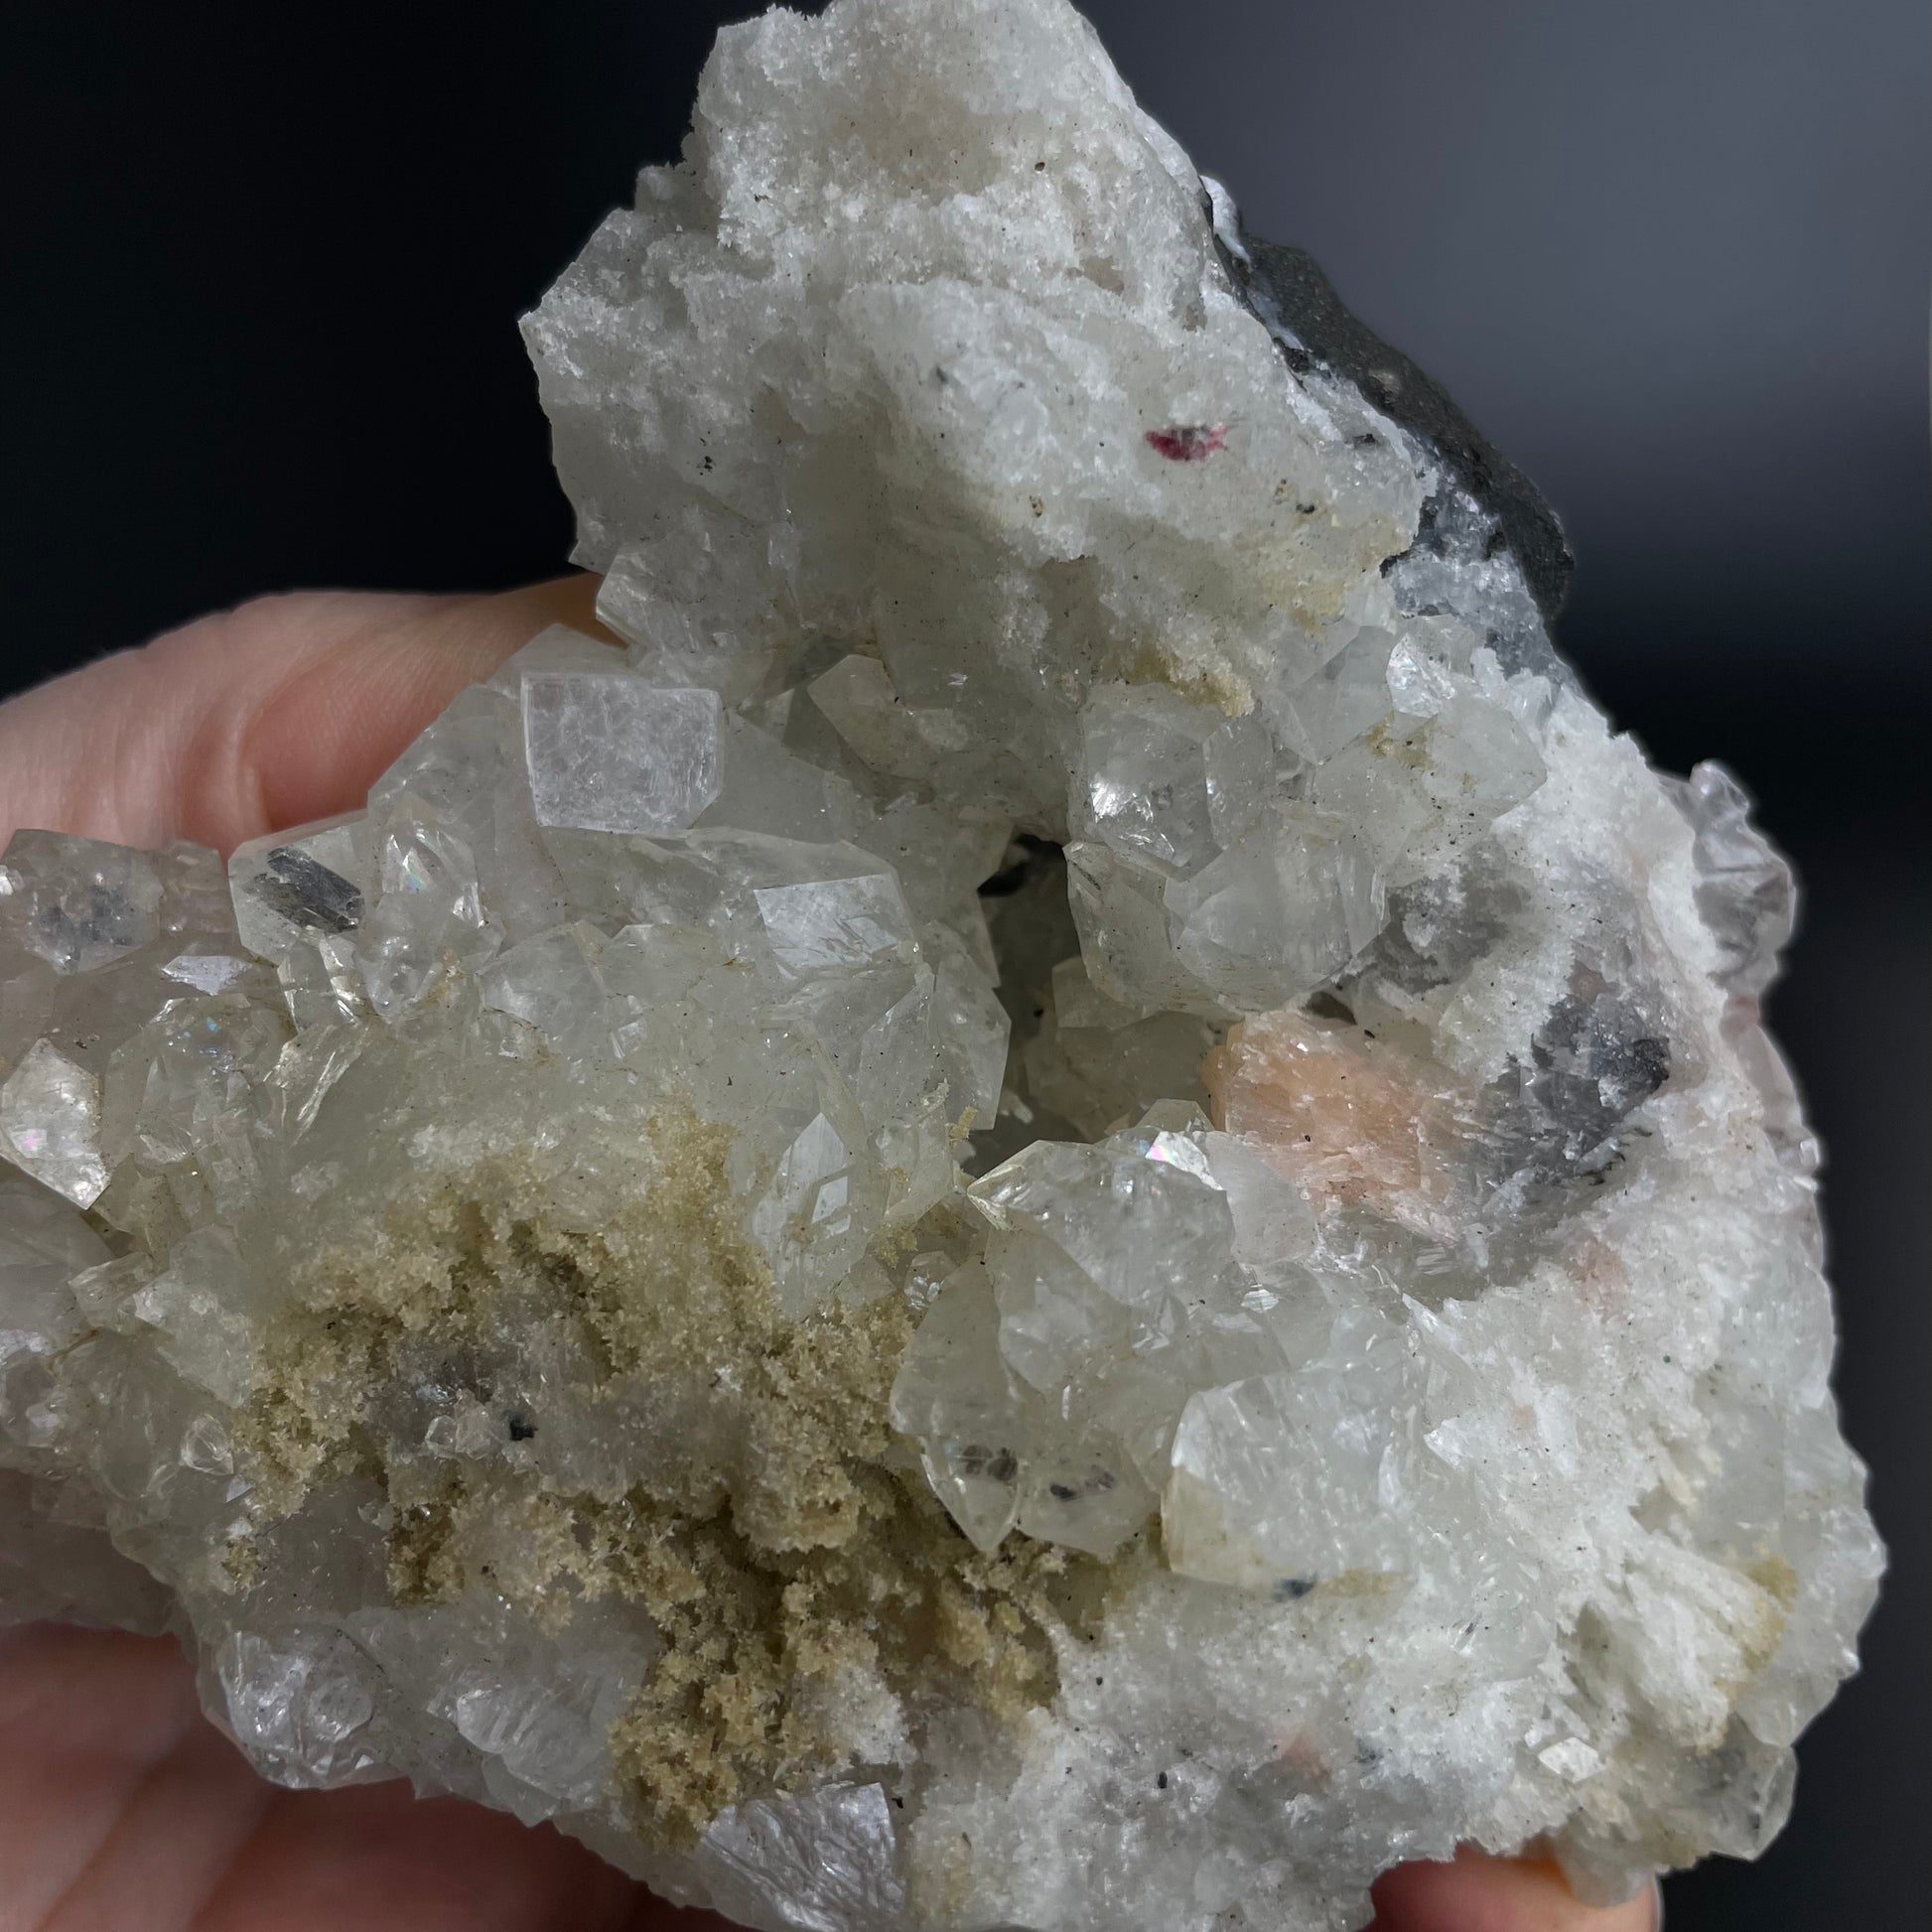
point(258, 331)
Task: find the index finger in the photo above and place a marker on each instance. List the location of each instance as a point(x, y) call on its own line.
point(283, 710)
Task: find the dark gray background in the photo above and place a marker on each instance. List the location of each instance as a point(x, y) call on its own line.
point(258, 331)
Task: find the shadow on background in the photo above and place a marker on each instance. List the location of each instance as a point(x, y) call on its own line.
point(1672, 256)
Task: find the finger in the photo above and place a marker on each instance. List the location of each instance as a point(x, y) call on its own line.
point(374, 1857)
point(283, 710)
point(86, 1720)
point(1480, 1893)
point(122, 1810)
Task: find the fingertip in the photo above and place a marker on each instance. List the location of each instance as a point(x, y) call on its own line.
point(362, 688)
point(1479, 1893)
point(282, 710)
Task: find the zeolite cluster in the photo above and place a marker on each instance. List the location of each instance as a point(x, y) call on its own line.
point(1064, 1212)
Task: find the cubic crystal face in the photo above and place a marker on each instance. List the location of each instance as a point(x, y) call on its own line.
point(614, 755)
point(1066, 1210)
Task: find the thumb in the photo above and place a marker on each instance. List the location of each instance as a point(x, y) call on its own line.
point(285, 709)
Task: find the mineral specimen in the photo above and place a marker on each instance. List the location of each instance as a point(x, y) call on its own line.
point(1067, 1212)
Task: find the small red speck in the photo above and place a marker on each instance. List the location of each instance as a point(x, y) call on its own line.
point(1188, 442)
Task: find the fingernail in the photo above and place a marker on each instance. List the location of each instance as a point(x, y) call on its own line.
point(1656, 1903)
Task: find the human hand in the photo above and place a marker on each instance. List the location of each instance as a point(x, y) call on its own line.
point(121, 1808)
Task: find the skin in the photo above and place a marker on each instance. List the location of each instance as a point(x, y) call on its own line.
point(121, 1808)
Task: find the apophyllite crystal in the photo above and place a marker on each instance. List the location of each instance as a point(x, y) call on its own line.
point(1066, 1212)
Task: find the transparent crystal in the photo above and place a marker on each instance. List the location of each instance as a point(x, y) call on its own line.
point(49, 1123)
point(1287, 909)
point(301, 886)
point(828, 1863)
point(297, 1709)
point(617, 755)
point(77, 904)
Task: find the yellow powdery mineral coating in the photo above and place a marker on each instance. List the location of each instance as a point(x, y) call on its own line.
point(811, 1556)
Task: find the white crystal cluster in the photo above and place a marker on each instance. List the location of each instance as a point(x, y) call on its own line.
point(1087, 870)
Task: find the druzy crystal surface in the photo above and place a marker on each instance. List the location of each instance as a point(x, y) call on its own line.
point(1064, 1212)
